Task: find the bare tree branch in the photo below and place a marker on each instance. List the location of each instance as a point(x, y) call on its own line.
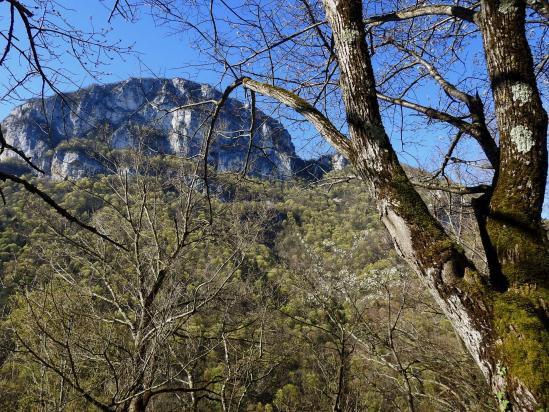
point(463, 13)
point(321, 123)
point(60, 210)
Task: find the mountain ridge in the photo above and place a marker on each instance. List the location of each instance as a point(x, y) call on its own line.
point(160, 116)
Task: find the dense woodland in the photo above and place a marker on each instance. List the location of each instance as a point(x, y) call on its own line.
point(293, 301)
point(173, 288)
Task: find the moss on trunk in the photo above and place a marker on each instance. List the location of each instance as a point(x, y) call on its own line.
point(522, 340)
point(521, 250)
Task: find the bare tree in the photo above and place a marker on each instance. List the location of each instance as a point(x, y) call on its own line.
point(499, 314)
point(115, 327)
point(316, 59)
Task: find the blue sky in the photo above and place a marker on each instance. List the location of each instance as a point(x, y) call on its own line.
point(156, 52)
point(159, 53)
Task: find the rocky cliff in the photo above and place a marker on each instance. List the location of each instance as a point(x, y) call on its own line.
point(159, 116)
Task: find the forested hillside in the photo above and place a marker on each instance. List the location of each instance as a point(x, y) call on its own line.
point(263, 297)
point(158, 274)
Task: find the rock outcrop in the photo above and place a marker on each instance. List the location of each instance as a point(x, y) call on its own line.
point(160, 116)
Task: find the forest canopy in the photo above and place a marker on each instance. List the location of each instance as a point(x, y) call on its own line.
point(157, 249)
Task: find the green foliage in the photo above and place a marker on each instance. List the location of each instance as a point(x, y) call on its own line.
point(503, 402)
point(300, 286)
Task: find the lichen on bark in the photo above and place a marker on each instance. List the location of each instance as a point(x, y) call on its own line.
point(522, 138)
point(350, 35)
point(507, 7)
point(522, 93)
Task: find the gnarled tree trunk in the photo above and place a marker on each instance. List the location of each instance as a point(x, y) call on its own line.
point(503, 322)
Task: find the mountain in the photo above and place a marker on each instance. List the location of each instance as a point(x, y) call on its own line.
point(160, 117)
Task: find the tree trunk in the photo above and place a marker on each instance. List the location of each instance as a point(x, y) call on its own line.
point(503, 323)
point(517, 245)
point(516, 203)
point(418, 237)
point(137, 405)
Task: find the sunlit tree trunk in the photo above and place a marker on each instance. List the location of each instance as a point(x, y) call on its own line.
point(517, 244)
point(475, 309)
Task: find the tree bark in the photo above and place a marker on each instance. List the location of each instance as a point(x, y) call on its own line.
point(516, 203)
point(516, 243)
point(515, 364)
point(418, 237)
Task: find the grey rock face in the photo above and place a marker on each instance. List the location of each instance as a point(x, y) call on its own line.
point(73, 164)
point(148, 114)
point(314, 169)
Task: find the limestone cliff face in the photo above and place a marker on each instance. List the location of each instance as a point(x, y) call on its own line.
point(145, 113)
